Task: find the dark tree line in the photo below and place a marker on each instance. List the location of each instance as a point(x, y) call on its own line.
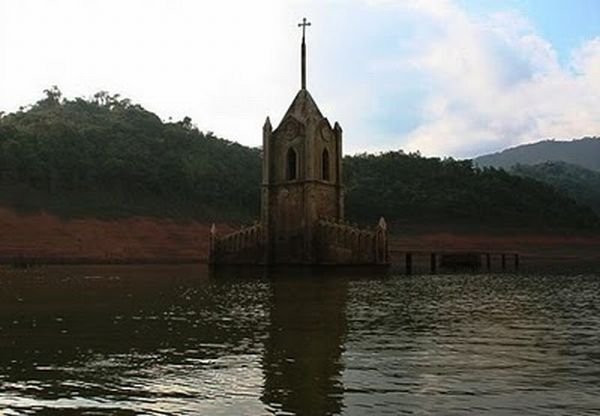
point(411, 188)
point(107, 157)
point(107, 151)
point(581, 184)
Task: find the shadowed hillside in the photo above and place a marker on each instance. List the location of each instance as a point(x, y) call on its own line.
point(417, 190)
point(108, 158)
point(583, 185)
point(583, 152)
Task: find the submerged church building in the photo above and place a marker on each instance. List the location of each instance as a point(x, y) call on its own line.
point(302, 198)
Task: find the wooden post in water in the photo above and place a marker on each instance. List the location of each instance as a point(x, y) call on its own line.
point(408, 264)
point(516, 262)
point(488, 261)
point(503, 262)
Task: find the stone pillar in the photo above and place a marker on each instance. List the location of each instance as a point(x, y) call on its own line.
point(265, 214)
point(212, 243)
point(382, 242)
point(408, 263)
point(337, 129)
point(306, 172)
point(433, 263)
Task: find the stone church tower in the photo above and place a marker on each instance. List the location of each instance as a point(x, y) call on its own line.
point(302, 176)
point(302, 197)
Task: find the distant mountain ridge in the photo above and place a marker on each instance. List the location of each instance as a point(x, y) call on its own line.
point(583, 152)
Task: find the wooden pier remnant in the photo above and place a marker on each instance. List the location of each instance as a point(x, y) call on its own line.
point(433, 263)
point(408, 263)
point(419, 261)
point(460, 261)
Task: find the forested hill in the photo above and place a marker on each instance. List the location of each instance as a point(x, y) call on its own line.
point(429, 190)
point(583, 185)
point(106, 157)
point(583, 152)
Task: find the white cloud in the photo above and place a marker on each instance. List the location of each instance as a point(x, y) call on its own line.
point(226, 64)
point(415, 74)
point(496, 82)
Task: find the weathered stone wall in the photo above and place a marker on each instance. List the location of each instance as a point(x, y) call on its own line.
point(329, 242)
point(246, 246)
point(322, 200)
point(293, 205)
point(291, 134)
point(287, 211)
point(341, 243)
point(294, 212)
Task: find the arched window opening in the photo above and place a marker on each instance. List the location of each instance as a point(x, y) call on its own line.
point(292, 165)
point(325, 165)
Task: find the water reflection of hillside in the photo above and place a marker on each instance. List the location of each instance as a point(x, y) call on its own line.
point(154, 339)
point(451, 344)
point(127, 340)
point(142, 338)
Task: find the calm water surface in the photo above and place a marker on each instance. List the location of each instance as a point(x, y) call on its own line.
point(177, 340)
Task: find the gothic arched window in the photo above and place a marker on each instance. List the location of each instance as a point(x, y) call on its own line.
point(325, 165)
point(292, 164)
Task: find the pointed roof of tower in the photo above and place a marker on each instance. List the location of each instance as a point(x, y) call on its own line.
point(303, 108)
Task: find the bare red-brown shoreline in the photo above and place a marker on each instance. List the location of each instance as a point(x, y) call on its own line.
point(47, 239)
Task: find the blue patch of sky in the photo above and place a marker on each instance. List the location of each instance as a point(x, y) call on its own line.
point(510, 67)
point(399, 91)
point(373, 55)
point(379, 33)
point(375, 35)
point(399, 109)
point(565, 24)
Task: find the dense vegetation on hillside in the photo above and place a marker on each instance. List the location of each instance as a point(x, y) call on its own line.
point(107, 157)
point(583, 185)
point(583, 152)
point(412, 188)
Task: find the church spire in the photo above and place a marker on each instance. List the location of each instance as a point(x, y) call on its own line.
point(303, 52)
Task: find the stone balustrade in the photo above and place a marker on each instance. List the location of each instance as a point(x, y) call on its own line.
point(249, 239)
point(334, 242)
point(341, 239)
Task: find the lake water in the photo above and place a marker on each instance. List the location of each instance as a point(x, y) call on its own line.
point(177, 340)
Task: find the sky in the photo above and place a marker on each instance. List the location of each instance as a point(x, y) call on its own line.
point(454, 78)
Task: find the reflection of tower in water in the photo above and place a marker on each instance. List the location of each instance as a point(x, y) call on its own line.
point(302, 358)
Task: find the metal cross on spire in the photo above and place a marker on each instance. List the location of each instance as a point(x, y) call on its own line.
point(303, 52)
point(303, 25)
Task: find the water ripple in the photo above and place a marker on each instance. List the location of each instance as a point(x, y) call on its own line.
point(175, 341)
